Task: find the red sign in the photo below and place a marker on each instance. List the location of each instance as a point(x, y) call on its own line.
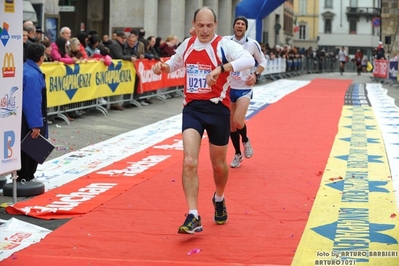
point(381, 69)
point(376, 21)
point(148, 81)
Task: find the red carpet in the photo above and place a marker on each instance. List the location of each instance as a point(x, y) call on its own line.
point(268, 198)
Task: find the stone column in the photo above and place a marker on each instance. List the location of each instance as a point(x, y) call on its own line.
point(225, 17)
point(191, 6)
point(171, 18)
point(150, 17)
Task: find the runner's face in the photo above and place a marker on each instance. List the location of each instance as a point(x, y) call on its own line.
point(205, 25)
point(239, 29)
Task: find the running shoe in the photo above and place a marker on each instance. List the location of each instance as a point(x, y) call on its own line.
point(248, 151)
point(236, 161)
point(220, 211)
point(191, 225)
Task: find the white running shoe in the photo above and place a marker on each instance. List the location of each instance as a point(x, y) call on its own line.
point(236, 161)
point(248, 151)
point(102, 101)
point(142, 102)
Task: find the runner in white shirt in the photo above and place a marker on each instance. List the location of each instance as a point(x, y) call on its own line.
point(342, 58)
point(241, 84)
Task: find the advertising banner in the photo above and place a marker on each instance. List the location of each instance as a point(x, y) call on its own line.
point(11, 58)
point(85, 81)
point(151, 82)
point(393, 70)
point(380, 69)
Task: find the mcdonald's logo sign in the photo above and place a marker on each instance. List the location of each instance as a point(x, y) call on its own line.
point(8, 66)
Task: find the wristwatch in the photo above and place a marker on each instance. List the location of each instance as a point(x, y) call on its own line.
point(257, 74)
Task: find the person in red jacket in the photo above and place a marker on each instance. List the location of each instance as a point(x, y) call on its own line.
point(358, 61)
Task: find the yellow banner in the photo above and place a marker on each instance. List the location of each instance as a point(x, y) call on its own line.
point(86, 81)
point(354, 217)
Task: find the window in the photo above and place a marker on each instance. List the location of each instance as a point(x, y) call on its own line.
point(327, 25)
point(302, 7)
point(353, 3)
point(302, 32)
point(352, 26)
point(329, 3)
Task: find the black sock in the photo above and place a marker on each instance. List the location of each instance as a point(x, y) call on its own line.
point(235, 139)
point(243, 133)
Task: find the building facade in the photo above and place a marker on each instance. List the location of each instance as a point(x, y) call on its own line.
point(157, 17)
point(306, 23)
point(353, 24)
point(390, 25)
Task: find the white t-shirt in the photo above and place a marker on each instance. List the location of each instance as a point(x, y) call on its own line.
point(238, 79)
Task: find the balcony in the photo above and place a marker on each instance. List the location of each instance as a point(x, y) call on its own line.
point(367, 12)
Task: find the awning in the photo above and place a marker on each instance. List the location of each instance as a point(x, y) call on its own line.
point(258, 10)
point(29, 12)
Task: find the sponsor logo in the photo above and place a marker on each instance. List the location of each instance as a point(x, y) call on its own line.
point(8, 104)
point(9, 6)
point(5, 34)
point(8, 66)
point(9, 141)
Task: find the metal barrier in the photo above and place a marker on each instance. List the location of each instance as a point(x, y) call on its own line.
point(278, 69)
point(307, 65)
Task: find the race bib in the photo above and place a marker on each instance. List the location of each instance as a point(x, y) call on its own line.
point(196, 78)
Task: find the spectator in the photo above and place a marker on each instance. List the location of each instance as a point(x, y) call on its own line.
point(117, 47)
point(133, 46)
point(116, 52)
point(31, 33)
point(25, 41)
point(74, 49)
point(34, 107)
point(157, 45)
point(107, 42)
point(56, 54)
point(136, 48)
point(380, 53)
point(101, 54)
point(59, 51)
point(364, 64)
point(83, 37)
point(358, 61)
point(39, 34)
point(47, 51)
point(141, 35)
point(92, 44)
point(394, 57)
point(114, 36)
point(168, 48)
point(151, 49)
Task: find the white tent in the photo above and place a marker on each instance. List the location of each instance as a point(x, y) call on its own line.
point(29, 12)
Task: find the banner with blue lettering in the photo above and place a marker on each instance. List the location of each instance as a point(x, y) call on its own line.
point(11, 57)
point(86, 81)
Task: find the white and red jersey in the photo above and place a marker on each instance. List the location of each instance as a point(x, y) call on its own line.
point(200, 59)
point(238, 79)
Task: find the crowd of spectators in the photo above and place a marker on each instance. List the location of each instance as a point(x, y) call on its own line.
point(72, 48)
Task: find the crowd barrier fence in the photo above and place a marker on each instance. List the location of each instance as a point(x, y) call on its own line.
point(85, 86)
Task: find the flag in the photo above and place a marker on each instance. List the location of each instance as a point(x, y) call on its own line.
point(296, 26)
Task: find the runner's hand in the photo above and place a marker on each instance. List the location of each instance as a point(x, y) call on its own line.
point(213, 76)
point(158, 68)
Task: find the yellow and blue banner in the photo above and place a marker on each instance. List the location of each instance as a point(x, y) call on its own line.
point(87, 80)
point(354, 217)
